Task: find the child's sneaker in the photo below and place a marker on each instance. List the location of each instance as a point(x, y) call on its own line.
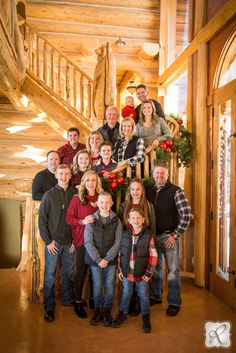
point(107, 319)
point(97, 317)
point(119, 319)
point(147, 328)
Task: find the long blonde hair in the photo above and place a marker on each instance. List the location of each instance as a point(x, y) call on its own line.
point(97, 133)
point(154, 114)
point(82, 188)
point(131, 121)
point(75, 166)
point(143, 205)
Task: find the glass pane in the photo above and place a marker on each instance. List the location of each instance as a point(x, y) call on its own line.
point(224, 160)
point(182, 19)
point(228, 72)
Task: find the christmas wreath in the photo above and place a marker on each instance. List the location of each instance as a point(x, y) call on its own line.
point(180, 145)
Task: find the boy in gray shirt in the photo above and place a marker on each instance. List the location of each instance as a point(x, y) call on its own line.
point(102, 241)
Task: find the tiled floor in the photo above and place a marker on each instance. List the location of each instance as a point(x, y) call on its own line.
point(23, 330)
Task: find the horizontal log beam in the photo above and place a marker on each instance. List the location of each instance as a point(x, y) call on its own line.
point(143, 5)
point(83, 14)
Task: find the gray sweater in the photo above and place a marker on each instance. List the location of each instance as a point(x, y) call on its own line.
point(159, 130)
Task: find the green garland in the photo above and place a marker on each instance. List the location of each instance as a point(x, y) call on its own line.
point(180, 145)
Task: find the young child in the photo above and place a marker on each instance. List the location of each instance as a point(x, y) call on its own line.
point(56, 235)
point(105, 164)
point(128, 110)
point(136, 198)
point(137, 261)
point(102, 242)
point(81, 164)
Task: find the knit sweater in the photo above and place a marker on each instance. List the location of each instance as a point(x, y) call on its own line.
point(75, 214)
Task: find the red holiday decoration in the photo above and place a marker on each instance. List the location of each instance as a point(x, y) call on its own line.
point(113, 185)
point(111, 176)
point(168, 149)
point(168, 143)
point(162, 145)
point(120, 180)
point(180, 121)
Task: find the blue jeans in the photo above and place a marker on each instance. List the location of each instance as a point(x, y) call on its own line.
point(171, 256)
point(143, 293)
point(103, 278)
point(67, 265)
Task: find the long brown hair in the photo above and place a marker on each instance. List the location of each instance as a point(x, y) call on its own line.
point(143, 205)
point(75, 166)
point(154, 114)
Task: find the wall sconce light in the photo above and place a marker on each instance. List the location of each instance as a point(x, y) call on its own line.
point(120, 43)
point(131, 88)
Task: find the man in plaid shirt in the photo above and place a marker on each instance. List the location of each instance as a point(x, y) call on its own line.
point(173, 215)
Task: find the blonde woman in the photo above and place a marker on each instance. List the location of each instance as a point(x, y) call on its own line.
point(151, 128)
point(79, 212)
point(81, 164)
point(94, 141)
point(129, 148)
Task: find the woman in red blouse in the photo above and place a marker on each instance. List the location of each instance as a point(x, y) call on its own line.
point(79, 213)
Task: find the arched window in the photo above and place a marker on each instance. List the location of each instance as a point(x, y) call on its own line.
point(226, 70)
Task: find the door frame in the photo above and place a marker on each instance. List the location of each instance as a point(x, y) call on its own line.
point(222, 288)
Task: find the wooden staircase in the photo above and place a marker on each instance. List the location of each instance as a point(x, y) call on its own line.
point(56, 85)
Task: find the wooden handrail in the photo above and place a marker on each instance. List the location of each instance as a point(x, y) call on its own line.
point(59, 75)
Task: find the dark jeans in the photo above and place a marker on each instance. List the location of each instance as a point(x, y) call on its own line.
point(143, 293)
point(103, 279)
point(67, 288)
point(171, 256)
point(81, 271)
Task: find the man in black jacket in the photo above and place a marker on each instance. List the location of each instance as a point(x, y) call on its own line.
point(56, 234)
point(45, 179)
point(173, 215)
point(110, 130)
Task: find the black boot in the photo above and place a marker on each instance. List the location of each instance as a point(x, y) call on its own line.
point(147, 328)
point(79, 310)
point(107, 319)
point(97, 317)
point(120, 318)
point(91, 303)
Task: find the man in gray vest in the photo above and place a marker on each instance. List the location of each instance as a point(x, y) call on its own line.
point(173, 215)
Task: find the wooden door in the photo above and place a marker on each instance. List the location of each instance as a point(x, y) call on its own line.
point(223, 223)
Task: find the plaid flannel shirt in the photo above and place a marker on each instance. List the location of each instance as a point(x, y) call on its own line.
point(184, 211)
point(152, 261)
point(140, 152)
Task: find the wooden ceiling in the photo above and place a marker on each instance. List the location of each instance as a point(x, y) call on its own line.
point(78, 27)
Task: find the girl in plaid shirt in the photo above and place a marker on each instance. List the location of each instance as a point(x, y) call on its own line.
point(136, 264)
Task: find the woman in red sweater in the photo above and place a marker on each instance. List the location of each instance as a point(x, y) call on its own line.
point(79, 212)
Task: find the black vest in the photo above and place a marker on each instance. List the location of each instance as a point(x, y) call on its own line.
point(142, 255)
point(167, 216)
point(104, 239)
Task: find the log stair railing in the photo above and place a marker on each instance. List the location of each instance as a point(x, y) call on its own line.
point(59, 75)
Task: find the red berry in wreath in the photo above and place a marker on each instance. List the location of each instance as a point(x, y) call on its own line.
point(168, 149)
point(120, 180)
point(180, 121)
point(111, 176)
point(113, 185)
point(168, 143)
point(162, 145)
